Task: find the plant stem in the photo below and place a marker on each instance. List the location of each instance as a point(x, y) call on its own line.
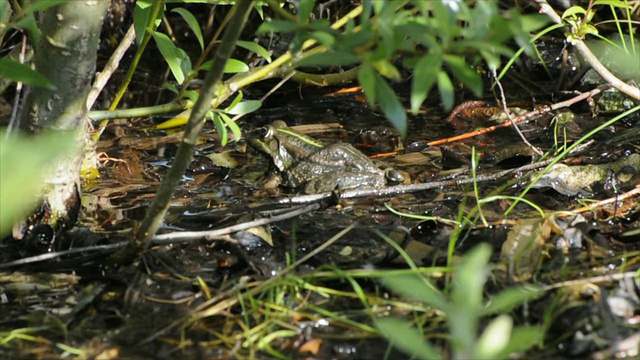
point(160, 204)
point(614, 81)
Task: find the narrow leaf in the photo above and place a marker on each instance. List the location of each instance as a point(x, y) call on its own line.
point(367, 79)
point(407, 338)
point(424, 76)
point(234, 66)
point(245, 107)
point(192, 23)
point(141, 15)
point(235, 129)
point(277, 26)
point(506, 300)
point(305, 7)
point(222, 130)
point(445, 87)
point(10, 69)
point(573, 11)
point(391, 106)
point(328, 58)
point(256, 48)
point(465, 73)
point(175, 57)
point(416, 288)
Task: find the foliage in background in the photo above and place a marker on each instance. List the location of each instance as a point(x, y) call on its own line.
point(434, 39)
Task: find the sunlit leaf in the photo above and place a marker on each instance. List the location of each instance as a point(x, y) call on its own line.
point(23, 162)
point(407, 338)
point(386, 69)
point(192, 22)
point(176, 58)
point(424, 76)
point(573, 11)
point(465, 73)
point(233, 66)
point(235, 101)
point(13, 70)
point(390, 105)
point(445, 87)
point(245, 107)
point(495, 337)
point(256, 48)
point(178, 120)
point(328, 58)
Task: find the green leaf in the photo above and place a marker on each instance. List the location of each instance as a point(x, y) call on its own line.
point(256, 48)
point(235, 129)
point(141, 15)
point(235, 101)
point(445, 87)
point(219, 124)
point(471, 275)
point(522, 338)
point(367, 79)
point(233, 66)
point(615, 3)
point(386, 69)
point(176, 58)
point(506, 300)
point(573, 11)
point(390, 105)
point(424, 76)
point(407, 338)
point(244, 107)
point(324, 38)
point(465, 73)
point(416, 288)
point(17, 72)
point(277, 26)
point(305, 7)
point(328, 58)
point(23, 162)
point(192, 22)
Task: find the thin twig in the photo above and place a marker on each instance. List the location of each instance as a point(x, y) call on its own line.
point(503, 103)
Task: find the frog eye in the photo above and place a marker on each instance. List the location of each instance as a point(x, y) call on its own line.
point(267, 132)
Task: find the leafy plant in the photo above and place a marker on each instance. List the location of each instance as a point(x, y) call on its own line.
point(463, 307)
point(435, 39)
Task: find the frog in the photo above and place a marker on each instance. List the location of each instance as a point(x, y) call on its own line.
point(302, 163)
